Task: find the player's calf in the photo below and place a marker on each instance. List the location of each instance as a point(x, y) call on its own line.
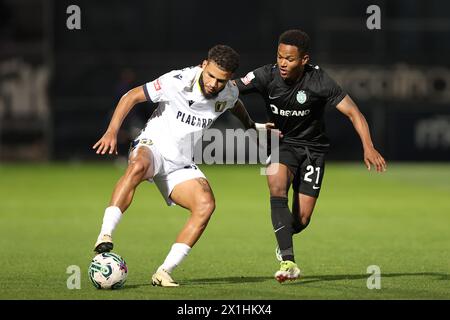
point(282, 221)
point(300, 224)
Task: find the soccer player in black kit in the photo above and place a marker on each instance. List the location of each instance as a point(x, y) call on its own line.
point(296, 94)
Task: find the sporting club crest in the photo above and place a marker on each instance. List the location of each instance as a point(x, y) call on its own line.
point(301, 97)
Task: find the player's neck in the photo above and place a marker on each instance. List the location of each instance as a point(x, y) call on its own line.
point(296, 79)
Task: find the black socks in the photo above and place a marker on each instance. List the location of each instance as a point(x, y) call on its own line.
point(282, 221)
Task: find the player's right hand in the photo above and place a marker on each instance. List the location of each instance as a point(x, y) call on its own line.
point(107, 143)
point(269, 126)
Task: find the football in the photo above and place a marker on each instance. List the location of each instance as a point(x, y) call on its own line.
point(108, 271)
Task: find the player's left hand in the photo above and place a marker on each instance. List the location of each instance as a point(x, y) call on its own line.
point(373, 157)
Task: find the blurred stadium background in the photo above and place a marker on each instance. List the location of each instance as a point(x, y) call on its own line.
point(58, 88)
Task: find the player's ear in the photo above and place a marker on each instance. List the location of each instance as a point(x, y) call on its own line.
point(204, 63)
point(305, 59)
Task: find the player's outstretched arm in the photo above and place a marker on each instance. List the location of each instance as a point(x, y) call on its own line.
point(241, 113)
point(108, 142)
point(371, 155)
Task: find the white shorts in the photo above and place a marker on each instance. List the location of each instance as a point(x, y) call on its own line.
point(168, 174)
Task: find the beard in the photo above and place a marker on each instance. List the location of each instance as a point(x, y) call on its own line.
point(202, 88)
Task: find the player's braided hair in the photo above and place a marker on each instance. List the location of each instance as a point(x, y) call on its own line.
point(225, 57)
point(297, 38)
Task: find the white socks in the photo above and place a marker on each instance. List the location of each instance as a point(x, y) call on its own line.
point(178, 252)
point(110, 220)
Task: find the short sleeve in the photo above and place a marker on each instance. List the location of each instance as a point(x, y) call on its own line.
point(234, 94)
point(230, 95)
point(255, 81)
point(332, 91)
point(158, 89)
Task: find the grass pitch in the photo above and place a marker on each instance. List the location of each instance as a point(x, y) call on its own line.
point(50, 216)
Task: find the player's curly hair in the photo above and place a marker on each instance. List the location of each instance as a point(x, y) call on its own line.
point(295, 37)
point(225, 57)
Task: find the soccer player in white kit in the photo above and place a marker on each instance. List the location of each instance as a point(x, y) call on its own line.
point(189, 102)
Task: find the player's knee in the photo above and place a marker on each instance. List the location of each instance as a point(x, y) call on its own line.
point(277, 191)
point(278, 185)
point(204, 208)
point(137, 170)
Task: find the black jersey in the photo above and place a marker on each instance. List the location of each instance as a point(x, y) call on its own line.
point(297, 109)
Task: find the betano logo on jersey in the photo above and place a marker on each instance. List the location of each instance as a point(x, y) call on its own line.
point(288, 113)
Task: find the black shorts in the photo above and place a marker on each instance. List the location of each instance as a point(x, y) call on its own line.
point(307, 166)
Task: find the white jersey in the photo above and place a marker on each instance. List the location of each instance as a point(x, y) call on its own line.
point(183, 113)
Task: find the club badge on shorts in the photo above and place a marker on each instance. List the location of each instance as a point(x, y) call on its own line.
point(148, 142)
point(301, 97)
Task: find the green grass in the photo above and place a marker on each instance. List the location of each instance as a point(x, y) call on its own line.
point(50, 216)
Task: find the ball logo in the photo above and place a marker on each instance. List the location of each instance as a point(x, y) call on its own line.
point(106, 270)
point(301, 97)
